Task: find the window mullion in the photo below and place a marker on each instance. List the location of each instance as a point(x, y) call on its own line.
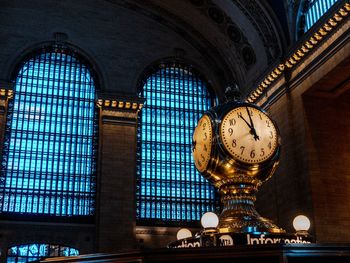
point(43, 122)
point(174, 191)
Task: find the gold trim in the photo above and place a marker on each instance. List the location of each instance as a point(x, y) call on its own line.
point(123, 104)
point(8, 93)
point(298, 55)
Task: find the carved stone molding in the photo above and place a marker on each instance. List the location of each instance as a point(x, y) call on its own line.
point(5, 95)
point(263, 26)
point(119, 109)
point(159, 231)
point(313, 41)
point(247, 55)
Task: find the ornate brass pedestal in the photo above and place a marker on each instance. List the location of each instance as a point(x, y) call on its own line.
point(239, 214)
point(236, 147)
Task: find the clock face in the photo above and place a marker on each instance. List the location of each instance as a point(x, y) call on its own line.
point(249, 135)
point(201, 143)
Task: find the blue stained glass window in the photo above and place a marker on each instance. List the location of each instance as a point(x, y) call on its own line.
point(48, 164)
point(169, 187)
point(35, 252)
point(316, 8)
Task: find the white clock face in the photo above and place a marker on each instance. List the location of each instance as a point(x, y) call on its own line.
point(249, 135)
point(201, 143)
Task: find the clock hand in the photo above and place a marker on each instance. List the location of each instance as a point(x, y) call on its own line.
point(245, 121)
point(250, 118)
point(252, 131)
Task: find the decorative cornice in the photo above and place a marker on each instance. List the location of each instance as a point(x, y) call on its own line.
point(119, 109)
point(6, 94)
point(158, 230)
point(119, 104)
point(299, 54)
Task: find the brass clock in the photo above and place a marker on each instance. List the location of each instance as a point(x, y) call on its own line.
point(236, 136)
point(236, 147)
point(201, 143)
point(248, 135)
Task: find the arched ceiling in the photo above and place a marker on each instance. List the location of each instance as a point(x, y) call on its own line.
point(228, 40)
point(241, 38)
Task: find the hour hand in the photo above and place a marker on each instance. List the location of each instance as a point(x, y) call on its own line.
point(253, 132)
point(252, 128)
point(245, 121)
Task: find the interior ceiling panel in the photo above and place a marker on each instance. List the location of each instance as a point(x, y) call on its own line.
point(229, 41)
point(239, 35)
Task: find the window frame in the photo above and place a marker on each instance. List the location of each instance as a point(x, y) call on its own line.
point(153, 69)
point(302, 25)
point(16, 257)
point(83, 62)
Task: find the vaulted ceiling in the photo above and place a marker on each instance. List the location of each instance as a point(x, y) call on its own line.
point(229, 41)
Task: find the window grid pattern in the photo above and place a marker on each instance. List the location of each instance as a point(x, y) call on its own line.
point(34, 252)
point(316, 9)
point(170, 189)
point(48, 164)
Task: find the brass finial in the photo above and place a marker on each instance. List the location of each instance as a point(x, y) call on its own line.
point(232, 92)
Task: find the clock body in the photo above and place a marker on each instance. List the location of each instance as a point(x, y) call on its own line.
point(244, 141)
point(236, 147)
point(202, 143)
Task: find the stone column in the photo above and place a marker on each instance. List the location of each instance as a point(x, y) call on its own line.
point(5, 96)
point(117, 173)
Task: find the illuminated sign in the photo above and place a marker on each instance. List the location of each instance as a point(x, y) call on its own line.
point(223, 240)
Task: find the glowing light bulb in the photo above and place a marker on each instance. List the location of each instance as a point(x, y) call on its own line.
point(209, 220)
point(183, 233)
point(301, 223)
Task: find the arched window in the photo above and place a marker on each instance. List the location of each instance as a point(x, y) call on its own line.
point(35, 252)
point(48, 164)
point(169, 187)
point(312, 11)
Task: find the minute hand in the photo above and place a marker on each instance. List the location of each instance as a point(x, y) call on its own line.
point(250, 118)
point(253, 131)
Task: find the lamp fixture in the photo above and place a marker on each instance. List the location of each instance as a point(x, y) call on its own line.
point(301, 225)
point(183, 233)
point(209, 221)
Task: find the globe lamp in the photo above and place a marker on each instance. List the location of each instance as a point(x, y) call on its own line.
point(209, 221)
point(183, 233)
point(301, 224)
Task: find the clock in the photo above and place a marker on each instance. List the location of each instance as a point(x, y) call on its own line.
point(248, 135)
point(236, 138)
point(201, 143)
point(236, 147)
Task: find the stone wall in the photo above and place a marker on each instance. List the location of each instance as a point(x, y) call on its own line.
point(329, 147)
point(312, 112)
point(116, 183)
